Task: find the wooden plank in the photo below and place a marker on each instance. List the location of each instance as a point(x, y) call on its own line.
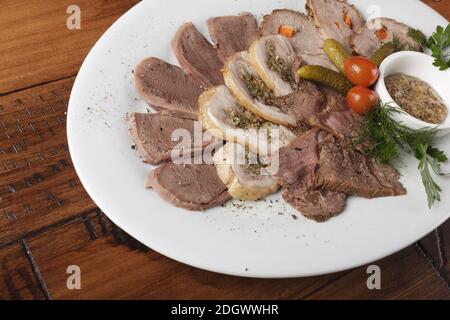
point(405, 275)
point(440, 6)
point(129, 271)
point(17, 280)
point(38, 47)
point(38, 185)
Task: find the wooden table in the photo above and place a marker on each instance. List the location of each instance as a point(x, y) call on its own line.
point(48, 222)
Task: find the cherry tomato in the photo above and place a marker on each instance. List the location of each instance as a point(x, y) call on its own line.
point(362, 100)
point(361, 71)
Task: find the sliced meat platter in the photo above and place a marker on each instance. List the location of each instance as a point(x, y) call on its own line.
point(242, 92)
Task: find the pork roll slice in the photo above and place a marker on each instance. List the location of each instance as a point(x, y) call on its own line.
point(233, 34)
point(193, 187)
point(247, 175)
point(274, 59)
point(379, 31)
point(151, 135)
point(167, 87)
point(222, 116)
point(197, 56)
point(250, 91)
point(336, 19)
point(306, 39)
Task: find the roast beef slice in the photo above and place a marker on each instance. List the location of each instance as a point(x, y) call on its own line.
point(319, 205)
point(320, 161)
point(304, 103)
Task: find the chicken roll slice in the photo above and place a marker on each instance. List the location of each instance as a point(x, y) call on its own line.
point(223, 117)
point(251, 91)
point(246, 175)
point(273, 58)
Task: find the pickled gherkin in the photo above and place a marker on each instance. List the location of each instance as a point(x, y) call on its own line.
point(327, 77)
point(336, 53)
point(382, 53)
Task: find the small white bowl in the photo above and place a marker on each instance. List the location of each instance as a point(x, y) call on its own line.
point(418, 65)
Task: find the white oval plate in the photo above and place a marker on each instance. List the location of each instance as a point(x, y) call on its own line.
point(247, 239)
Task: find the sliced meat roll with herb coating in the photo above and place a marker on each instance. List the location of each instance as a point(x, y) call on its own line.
point(251, 91)
point(379, 31)
point(336, 19)
point(193, 187)
point(223, 117)
point(232, 34)
point(305, 39)
point(197, 56)
point(246, 174)
point(167, 87)
point(274, 58)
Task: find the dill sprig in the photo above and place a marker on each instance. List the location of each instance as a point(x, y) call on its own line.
point(385, 138)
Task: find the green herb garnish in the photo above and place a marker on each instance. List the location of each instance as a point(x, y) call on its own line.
point(386, 137)
point(278, 64)
point(418, 36)
point(414, 34)
point(256, 87)
point(244, 119)
point(438, 43)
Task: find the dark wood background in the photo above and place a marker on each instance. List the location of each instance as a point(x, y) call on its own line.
point(48, 222)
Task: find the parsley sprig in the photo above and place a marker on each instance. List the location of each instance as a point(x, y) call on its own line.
point(438, 43)
point(385, 138)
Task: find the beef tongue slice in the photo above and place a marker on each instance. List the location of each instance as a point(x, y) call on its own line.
point(197, 56)
point(232, 34)
point(151, 134)
point(192, 187)
point(167, 87)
